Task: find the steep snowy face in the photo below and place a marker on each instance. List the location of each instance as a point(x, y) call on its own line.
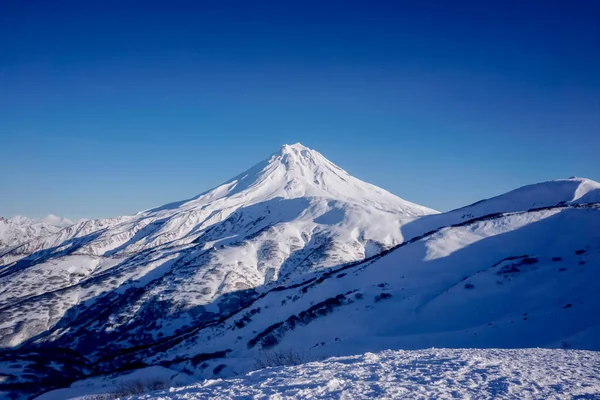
point(173, 266)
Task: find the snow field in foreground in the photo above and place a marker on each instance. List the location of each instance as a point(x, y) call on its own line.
point(420, 374)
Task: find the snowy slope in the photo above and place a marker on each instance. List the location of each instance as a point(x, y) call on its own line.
point(562, 191)
point(544, 194)
point(523, 279)
point(424, 374)
point(172, 267)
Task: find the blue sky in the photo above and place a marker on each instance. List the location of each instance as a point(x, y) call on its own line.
point(108, 108)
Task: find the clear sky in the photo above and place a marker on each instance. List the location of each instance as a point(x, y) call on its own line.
point(107, 108)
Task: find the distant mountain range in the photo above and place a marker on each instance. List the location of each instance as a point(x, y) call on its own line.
point(296, 253)
point(18, 229)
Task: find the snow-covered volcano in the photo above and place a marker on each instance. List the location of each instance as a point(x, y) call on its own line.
point(297, 171)
point(171, 267)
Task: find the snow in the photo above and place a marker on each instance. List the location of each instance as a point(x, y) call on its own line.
point(297, 171)
point(19, 229)
point(423, 374)
point(296, 253)
point(54, 220)
point(290, 215)
point(417, 296)
point(111, 383)
point(539, 195)
point(50, 219)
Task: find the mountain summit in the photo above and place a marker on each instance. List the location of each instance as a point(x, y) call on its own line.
point(296, 171)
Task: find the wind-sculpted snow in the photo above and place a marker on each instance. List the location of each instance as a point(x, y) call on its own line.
point(423, 374)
